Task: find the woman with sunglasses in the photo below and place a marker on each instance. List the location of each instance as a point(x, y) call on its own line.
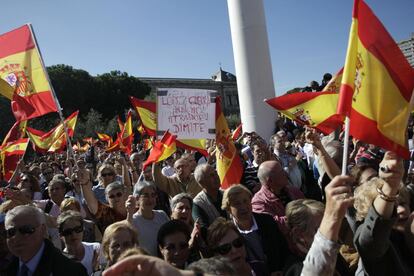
point(107, 175)
point(173, 238)
point(71, 227)
point(224, 239)
point(143, 217)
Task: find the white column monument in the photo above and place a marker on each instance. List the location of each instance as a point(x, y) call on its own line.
point(253, 65)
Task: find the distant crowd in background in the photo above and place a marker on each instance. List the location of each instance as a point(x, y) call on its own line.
point(291, 214)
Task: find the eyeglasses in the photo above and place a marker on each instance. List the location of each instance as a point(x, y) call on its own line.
point(224, 249)
point(107, 174)
point(176, 247)
point(119, 194)
point(69, 231)
point(24, 230)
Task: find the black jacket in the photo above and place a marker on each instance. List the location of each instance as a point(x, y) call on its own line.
point(52, 262)
point(274, 244)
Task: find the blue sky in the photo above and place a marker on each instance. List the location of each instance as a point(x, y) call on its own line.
point(189, 38)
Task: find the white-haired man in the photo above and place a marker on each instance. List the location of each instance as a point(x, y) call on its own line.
point(34, 255)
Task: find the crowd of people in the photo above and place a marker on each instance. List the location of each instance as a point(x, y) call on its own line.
point(99, 213)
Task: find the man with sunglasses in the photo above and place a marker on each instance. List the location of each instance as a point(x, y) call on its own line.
point(34, 255)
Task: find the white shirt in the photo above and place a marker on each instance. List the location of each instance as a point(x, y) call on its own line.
point(253, 228)
point(90, 249)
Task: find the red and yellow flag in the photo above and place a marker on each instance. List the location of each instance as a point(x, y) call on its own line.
point(126, 137)
point(229, 166)
point(17, 131)
point(335, 83)
point(237, 132)
point(305, 108)
point(22, 68)
point(162, 149)
point(103, 136)
point(148, 143)
point(147, 112)
point(55, 139)
point(377, 84)
point(10, 155)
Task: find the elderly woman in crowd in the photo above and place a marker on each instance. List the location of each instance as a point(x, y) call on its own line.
point(173, 243)
point(118, 237)
point(303, 219)
point(143, 217)
point(225, 240)
point(71, 227)
point(266, 247)
point(181, 207)
point(116, 195)
point(384, 235)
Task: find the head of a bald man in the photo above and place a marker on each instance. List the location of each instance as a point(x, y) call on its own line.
point(272, 175)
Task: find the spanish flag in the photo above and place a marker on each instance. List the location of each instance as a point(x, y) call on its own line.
point(162, 149)
point(55, 139)
point(314, 109)
point(335, 83)
point(237, 132)
point(22, 68)
point(17, 131)
point(147, 112)
point(10, 155)
point(229, 166)
point(103, 136)
point(377, 85)
point(127, 134)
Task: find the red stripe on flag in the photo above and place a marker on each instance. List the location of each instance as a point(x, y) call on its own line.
point(345, 100)
point(16, 41)
point(383, 47)
point(330, 124)
point(32, 106)
point(366, 130)
point(290, 100)
point(233, 172)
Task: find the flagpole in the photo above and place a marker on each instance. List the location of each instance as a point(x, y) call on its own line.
point(59, 108)
point(346, 146)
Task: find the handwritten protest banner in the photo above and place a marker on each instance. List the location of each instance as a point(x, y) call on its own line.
point(187, 113)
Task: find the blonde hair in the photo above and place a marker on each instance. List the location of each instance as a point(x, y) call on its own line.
point(299, 212)
point(232, 192)
point(365, 195)
point(110, 232)
point(68, 202)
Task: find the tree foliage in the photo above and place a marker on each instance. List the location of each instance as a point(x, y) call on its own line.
point(98, 98)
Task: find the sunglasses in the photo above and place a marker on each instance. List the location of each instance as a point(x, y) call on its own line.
point(69, 231)
point(118, 194)
point(176, 247)
point(107, 174)
point(224, 249)
point(24, 230)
